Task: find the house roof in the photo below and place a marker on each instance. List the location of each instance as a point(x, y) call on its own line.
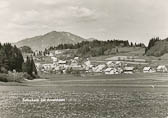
point(61, 62)
point(108, 69)
point(129, 68)
point(146, 68)
point(161, 67)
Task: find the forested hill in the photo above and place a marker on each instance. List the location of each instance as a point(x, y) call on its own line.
point(96, 48)
point(157, 47)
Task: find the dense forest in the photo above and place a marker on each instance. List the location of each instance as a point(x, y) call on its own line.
point(11, 59)
point(152, 43)
point(95, 47)
point(157, 47)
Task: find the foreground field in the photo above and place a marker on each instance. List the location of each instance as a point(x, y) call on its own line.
point(124, 96)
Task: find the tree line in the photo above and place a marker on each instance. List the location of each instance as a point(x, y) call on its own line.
point(11, 59)
point(96, 47)
point(94, 43)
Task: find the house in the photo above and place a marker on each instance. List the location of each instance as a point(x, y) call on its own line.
point(61, 62)
point(87, 65)
point(57, 52)
point(99, 68)
point(110, 64)
point(109, 71)
point(129, 70)
point(51, 54)
point(161, 68)
point(54, 59)
point(47, 67)
point(119, 70)
point(147, 70)
point(76, 58)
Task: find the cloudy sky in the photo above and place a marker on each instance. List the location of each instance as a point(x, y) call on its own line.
point(133, 20)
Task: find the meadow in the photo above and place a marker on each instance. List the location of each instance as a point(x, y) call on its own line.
point(112, 96)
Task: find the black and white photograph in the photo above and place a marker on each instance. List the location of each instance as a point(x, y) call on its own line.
point(83, 58)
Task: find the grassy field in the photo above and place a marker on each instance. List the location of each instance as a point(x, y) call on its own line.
point(115, 96)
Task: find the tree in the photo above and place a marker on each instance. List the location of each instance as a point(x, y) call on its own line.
point(26, 49)
point(33, 66)
point(29, 66)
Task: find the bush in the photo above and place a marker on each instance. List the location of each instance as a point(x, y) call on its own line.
point(4, 70)
point(3, 78)
point(16, 77)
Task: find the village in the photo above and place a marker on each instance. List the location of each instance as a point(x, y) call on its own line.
point(110, 66)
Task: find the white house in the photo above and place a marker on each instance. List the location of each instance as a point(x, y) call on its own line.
point(76, 58)
point(87, 65)
point(47, 67)
point(57, 52)
point(118, 63)
point(99, 68)
point(110, 64)
point(62, 62)
point(110, 71)
point(107, 71)
point(147, 70)
point(161, 68)
point(129, 70)
point(54, 59)
point(119, 70)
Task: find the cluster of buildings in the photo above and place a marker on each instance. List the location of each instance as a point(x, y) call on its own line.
point(60, 66)
point(109, 67)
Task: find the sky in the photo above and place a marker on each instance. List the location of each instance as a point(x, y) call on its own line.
point(133, 20)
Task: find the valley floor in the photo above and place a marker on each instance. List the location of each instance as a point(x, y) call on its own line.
point(107, 96)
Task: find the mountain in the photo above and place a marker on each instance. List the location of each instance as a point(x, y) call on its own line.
point(53, 38)
point(158, 48)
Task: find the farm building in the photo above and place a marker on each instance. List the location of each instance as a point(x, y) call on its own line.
point(76, 58)
point(147, 70)
point(57, 52)
point(109, 71)
point(47, 67)
point(119, 70)
point(129, 70)
point(161, 68)
point(99, 68)
point(113, 71)
point(62, 62)
point(110, 64)
point(54, 59)
point(87, 65)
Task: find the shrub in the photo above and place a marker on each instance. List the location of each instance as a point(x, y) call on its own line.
point(3, 78)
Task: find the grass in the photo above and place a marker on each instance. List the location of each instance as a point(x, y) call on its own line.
point(88, 97)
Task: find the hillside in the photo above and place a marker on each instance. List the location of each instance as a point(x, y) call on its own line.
point(53, 38)
point(159, 48)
